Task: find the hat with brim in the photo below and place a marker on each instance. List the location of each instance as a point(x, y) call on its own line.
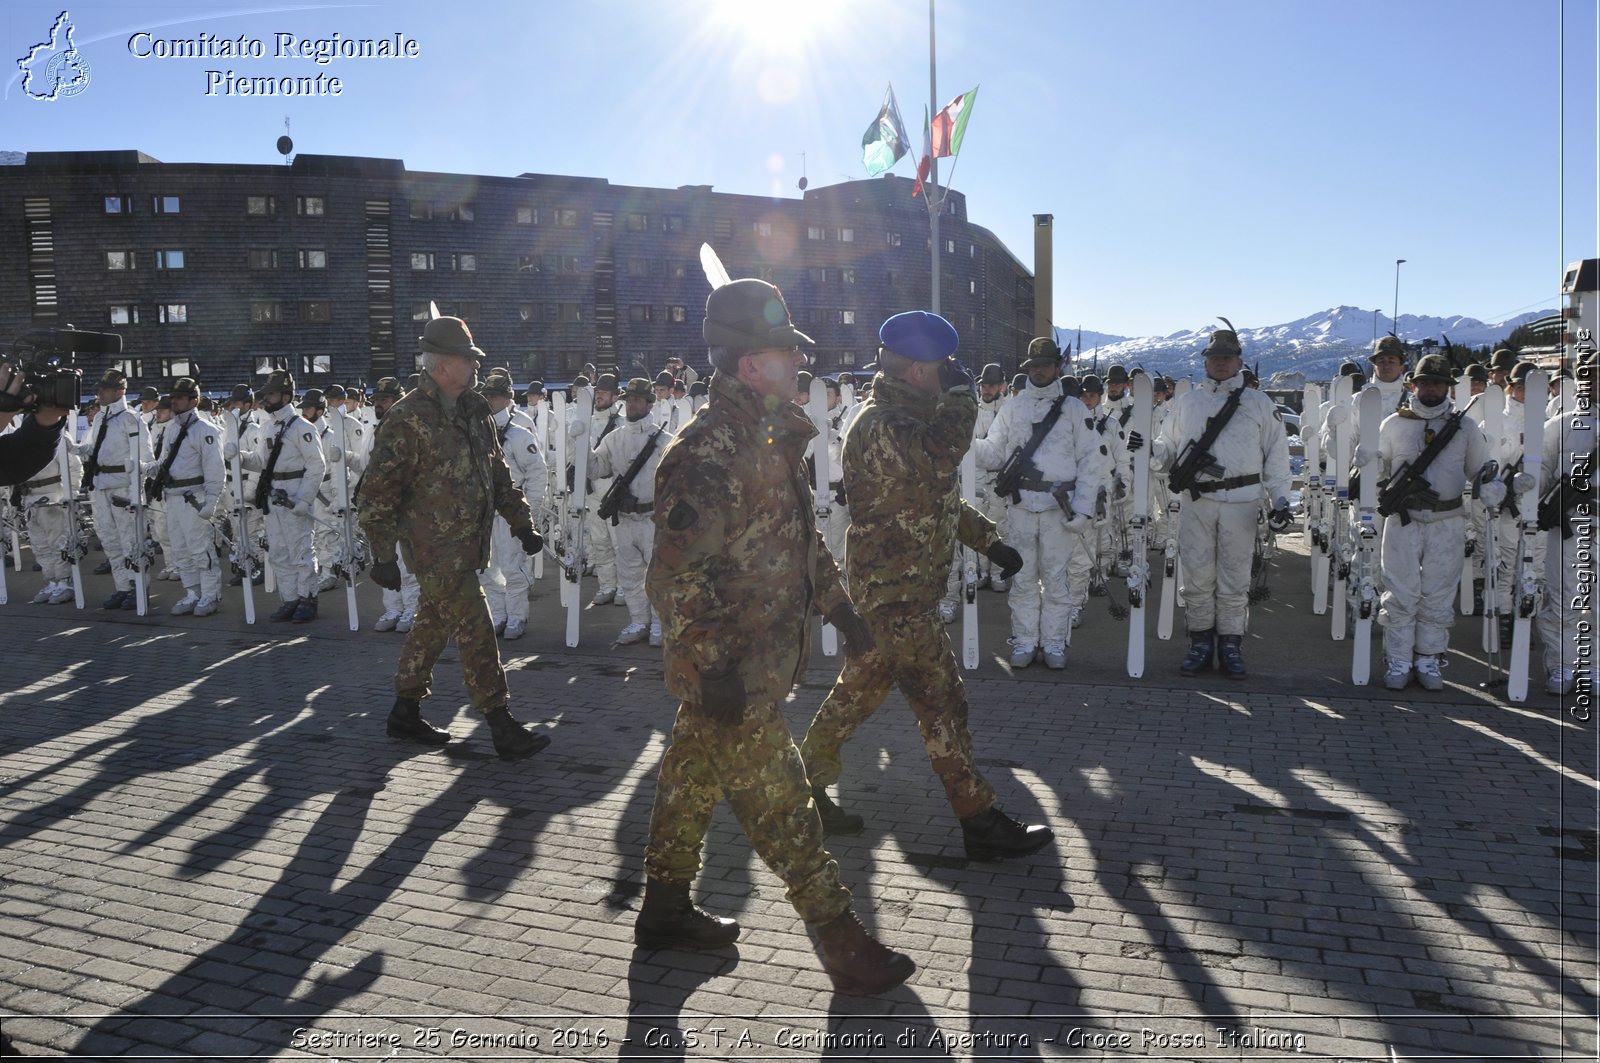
point(606, 382)
point(992, 374)
point(151, 393)
point(1503, 360)
point(388, 387)
point(186, 387)
point(1388, 346)
point(1433, 367)
point(1224, 343)
point(314, 399)
point(1093, 384)
point(1116, 375)
point(278, 380)
point(449, 335)
point(639, 388)
point(499, 384)
point(535, 387)
point(919, 336)
point(113, 380)
point(750, 315)
point(1042, 350)
point(1520, 371)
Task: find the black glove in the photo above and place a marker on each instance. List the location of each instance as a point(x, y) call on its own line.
point(722, 696)
point(280, 499)
point(1134, 441)
point(386, 574)
point(532, 542)
point(1280, 517)
point(1006, 557)
point(853, 626)
point(953, 375)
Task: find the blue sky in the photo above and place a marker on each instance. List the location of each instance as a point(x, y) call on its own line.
point(1262, 159)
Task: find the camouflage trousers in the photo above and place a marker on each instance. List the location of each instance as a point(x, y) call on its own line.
point(914, 652)
point(755, 765)
point(451, 605)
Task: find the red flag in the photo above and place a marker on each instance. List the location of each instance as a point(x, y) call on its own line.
point(926, 163)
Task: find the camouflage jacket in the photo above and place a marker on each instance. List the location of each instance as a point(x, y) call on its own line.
point(435, 482)
point(738, 566)
point(902, 465)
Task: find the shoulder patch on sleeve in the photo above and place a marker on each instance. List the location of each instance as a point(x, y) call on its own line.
point(532, 448)
point(308, 437)
point(210, 440)
point(682, 517)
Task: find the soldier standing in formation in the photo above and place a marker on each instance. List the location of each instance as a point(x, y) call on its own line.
point(738, 571)
point(901, 462)
point(632, 528)
point(110, 451)
point(1567, 486)
point(436, 481)
point(1055, 494)
point(1217, 525)
point(505, 580)
point(191, 480)
point(600, 552)
point(1421, 552)
point(43, 499)
point(290, 460)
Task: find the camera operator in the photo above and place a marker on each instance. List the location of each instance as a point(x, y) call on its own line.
point(33, 445)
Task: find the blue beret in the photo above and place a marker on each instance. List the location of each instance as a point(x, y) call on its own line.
point(919, 336)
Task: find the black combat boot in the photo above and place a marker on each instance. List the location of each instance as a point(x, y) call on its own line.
point(1230, 655)
point(1202, 646)
point(993, 835)
point(835, 820)
point(305, 610)
point(512, 741)
point(669, 919)
point(856, 961)
point(405, 721)
point(285, 611)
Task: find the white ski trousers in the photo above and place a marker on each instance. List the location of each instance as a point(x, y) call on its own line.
point(294, 565)
point(403, 601)
point(47, 531)
point(194, 551)
point(114, 525)
point(1569, 584)
point(634, 536)
point(1421, 565)
point(1216, 541)
point(505, 580)
point(1040, 600)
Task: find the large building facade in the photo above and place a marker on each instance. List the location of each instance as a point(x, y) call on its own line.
point(328, 265)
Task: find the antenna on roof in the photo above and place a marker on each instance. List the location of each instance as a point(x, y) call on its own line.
point(285, 145)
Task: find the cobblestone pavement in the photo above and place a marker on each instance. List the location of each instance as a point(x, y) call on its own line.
point(210, 850)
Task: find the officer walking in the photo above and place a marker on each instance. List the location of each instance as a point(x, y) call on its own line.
point(1217, 525)
point(901, 462)
point(436, 481)
point(737, 573)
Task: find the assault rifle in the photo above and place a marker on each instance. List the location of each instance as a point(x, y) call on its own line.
point(1406, 487)
point(611, 501)
point(1008, 481)
point(1564, 494)
point(1195, 457)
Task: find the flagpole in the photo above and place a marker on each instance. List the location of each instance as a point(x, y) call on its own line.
point(935, 205)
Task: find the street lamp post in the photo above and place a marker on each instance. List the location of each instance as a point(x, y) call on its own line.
point(1397, 264)
point(1375, 314)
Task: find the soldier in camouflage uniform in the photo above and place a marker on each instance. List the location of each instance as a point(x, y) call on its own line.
point(436, 481)
point(737, 571)
point(901, 464)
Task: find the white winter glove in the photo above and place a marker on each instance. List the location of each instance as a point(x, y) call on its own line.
point(1078, 522)
point(335, 454)
point(1492, 494)
point(1362, 457)
point(230, 450)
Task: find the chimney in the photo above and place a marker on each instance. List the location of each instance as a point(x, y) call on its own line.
point(1043, 275)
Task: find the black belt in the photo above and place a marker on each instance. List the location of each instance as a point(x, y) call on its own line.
point(295, 475)
point(1047, 486)
point(1223, 485)
point(110, 468)
point(1435, 507)
point(196, 482)
point(635, 507)
point(34, 485)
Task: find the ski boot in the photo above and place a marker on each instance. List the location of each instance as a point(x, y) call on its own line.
point(1202, 646)
point(1229, 655)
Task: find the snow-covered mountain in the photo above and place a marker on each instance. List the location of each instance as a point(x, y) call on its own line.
point(13, 158)
point(1313, 345)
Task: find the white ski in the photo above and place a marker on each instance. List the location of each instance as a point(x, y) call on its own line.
point(349, 563)
point(1364, 591)
point(1139, 567)
point(558, 485)
point(817, 410)
point(1171, 568)
point(1493, 403)
point(143, 548)
point(583, 410)
point(241, 527)
point(1527, 585)
point(75, 549)
point(1316, 498)
point(1341, 545)
point(1460, 396)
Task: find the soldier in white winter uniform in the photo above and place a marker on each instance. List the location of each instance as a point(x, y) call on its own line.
point(1508, 451)
point(42, 501)
point(1217, 529)
point(1569, 573)
point(505, 581)
point(399, 607)
point(289, 456)
point(599, 551)
point(192, 481)
point(1421, 553)
point(1056, 496)
point(634, 530)
point(109, 451)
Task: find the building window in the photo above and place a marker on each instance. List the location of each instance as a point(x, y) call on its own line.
point(466, 262)
point(164, 205)
point(130, 367)
point(464, 212)
point(815, 232)
point(421, 260)
point(260, 206)
point(766, 273)
point(847, 276)
point(559, 263)
point(894, 239)
point(763, 228)
point(318, 311)
point(118, 260)
point(950, 247)
point(814, 315)
point(847, 317)
point(420, 312)
point(169, 260)
point(118, 205)
point(972, 250)
point(265, 363)
point(639, 313)
point(680, 271)
point(638, 223)
point(566, 217)
point(310, 206)
point(570, 312)
point(677, 314)
point(847, 357)
point(892, 278)
point(421, 211)
point(527, 215)
point(313, 259)
point(527, 312)
point(176, 367)
point(265, 312)
point(847, 236)
point(174, 313)
point(467, 310)
point(638, 266)
point(673, 223)
point(972, 287)
point(311, 364)
point(125, 314)
point(263, 258)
